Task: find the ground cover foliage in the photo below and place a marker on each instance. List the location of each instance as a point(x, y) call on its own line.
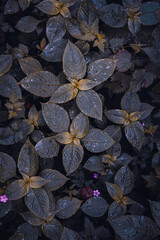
point(79, 120)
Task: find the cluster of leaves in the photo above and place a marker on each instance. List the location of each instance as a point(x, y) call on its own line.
point(79, 119)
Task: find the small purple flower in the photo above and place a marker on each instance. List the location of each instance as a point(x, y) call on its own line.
point(143, 124)
point(95, 175)
point(96, 193)
point(3, 198)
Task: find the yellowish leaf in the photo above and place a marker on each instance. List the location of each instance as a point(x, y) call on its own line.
point(77, 142)
point(115, 191)
point(135, 116)
point(64, 11)
point(64, 93)
point(86, 84)
point(16, 190)
point(64, 138)
point(79, 126)
point(126, 200)
point(37, 182)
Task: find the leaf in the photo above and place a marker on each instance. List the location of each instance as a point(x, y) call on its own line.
point(127, 201)
point(79, 126)
point(116, 43)
point(88, 227)
point(89, 32)
point(156, 37)
point(7, 136)
point(20, 51)
point(57, 179)
point(30, 65)
point(64, 138)
point(64, 11)
point(124, 60)
point(148, 13)
point(115, 150)
point(11, 7)
point(5, 63)
point(134, 4)
point(83, 46)
point(33, 115)
point(119, 82)
point(87, 12)
point(41, 83)
point(37, 202)
point(146, 109)
point(64, 94)
point(135, 116)
point(28, 160)
point(5, 208)
point(124, 179)
point(97, 141)
point(39, 135)
point(113, 15)
point(114, 191)
point(37, 182)
point(130, 102)
point(155, 208)
point(99, 3)
point(73, 27)
point(153, 54)
point(74, 64)
point(9, 86)
point(140, 79)
point(16, 190)
point(90, 104)
point(67, 207)
point(56, 117)
point(52, 229)
point(27, 24)
point(48, 7)
point(86, 84)
point(125, 159)
point(69, 234)
point(156, 162)
point(135, 134)
point(47, 147)
point(72, 156)
point(94, 164)
point(31, 218)
point(114, 132)
point(24, 4)
point(117, 116)
point(69, 3)
point(7, 167)
point(51, 203)
point(95, 207)
point(21, 128)
point(55, 28)
point(116, 210)
point(17, 236)
point(53, 52)
point(134, 25)
point(135, 227)
point(28, 231)
point(100, 70)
